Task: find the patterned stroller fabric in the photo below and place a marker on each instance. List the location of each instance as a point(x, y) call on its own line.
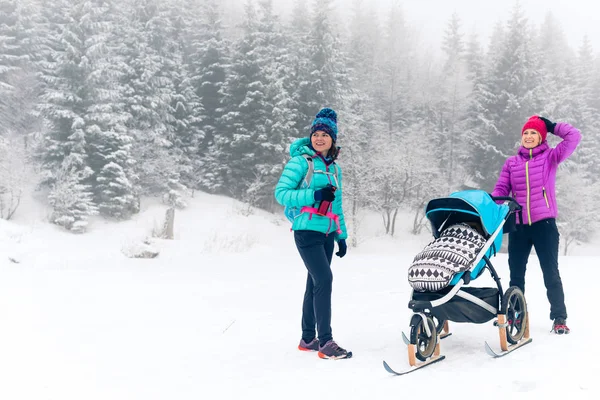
point(453, 252)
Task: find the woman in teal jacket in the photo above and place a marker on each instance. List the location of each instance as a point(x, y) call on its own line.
point(316, 231)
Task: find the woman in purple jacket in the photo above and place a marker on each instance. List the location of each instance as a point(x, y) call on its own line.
point(530, 177)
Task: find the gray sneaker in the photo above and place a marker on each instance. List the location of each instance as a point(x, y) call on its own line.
point(313, 345)
point(332, 351)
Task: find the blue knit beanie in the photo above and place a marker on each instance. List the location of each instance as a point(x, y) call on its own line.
point(326, 121)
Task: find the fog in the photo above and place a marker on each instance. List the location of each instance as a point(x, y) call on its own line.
point(578, 18)
point(103, 103)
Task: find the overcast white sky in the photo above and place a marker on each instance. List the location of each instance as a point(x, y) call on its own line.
point(578, 17)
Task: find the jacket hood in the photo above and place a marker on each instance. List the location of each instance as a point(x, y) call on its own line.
point(301, 146)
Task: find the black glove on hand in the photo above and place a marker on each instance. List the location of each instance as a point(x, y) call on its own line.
point(549, 124)
point(342, 248)
point(325, 194)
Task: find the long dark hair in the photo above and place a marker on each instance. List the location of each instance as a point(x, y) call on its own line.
point(333, 152)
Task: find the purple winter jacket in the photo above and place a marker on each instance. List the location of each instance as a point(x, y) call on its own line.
point(530, 176)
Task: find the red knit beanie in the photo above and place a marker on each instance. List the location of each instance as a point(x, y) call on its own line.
point(536, 123)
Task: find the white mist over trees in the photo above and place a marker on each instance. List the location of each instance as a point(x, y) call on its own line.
point(103, 102)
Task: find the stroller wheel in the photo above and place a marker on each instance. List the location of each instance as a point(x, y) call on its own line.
point(515, 309)
point(424, 344)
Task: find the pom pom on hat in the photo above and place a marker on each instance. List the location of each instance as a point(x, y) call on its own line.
point(536, 123)
point(327, 113)
point(326, 121)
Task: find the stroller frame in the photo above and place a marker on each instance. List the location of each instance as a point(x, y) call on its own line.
point(511, 316)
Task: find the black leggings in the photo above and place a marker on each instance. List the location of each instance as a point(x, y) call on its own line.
point(316, 250)
point(544, 236)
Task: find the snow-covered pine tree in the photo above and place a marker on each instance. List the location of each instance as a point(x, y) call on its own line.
point(328, 72)
point(19, 87)
point(364, 45)
point(151, 52)
point(558, 75)
point(63, 153)
point(12, 55)
point(252, 147)
point(596, 82)
point(476, 69)
point(114, 188)
point(83, 104)
point(299, 71)
point(71, 200)
point(393, 91)
point(554, 47)
point(188, 133)
point(474, 59)
point(299, 20)
point(108, 142)
point(186, 106)
point(19, 92)
point(174, 197)
point(209, 58)
point(244, 111)
point(272, 47)
point(53, 19)
point(584, 113)
point(283, 78)
point(452, 93)
point(505, 99)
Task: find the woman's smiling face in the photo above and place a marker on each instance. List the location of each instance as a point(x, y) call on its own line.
point(531, 138)
point(321, 142)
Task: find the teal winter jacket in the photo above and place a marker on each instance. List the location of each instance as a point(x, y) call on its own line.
point(288, 193)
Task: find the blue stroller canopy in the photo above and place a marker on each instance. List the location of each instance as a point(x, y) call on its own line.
point(466, 206)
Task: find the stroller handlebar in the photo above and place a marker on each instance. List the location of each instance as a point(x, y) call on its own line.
point(512, 203)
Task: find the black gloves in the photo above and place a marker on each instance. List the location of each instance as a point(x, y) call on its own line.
point(549, 125)
point(342, 248)
point(325, 194)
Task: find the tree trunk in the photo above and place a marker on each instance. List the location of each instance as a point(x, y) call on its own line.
point(354, 241)
point(566, 247)
point(386, 221)
point(169, 223)
point(394, 222)
point(418, 220)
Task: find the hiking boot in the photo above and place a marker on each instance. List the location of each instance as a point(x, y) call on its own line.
point(313, 345)
point(332, 351)
point(560, 326)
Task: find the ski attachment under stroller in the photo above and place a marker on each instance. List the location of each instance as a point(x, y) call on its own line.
point(492, 353)
point(414, 368)
point(509, 341)
point(514, 334)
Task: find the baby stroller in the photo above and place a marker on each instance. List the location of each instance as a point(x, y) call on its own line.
point(468, 228)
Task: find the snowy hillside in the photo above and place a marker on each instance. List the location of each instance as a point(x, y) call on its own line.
point(217, 316)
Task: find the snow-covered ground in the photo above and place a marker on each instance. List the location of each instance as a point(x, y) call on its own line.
point(217, 316)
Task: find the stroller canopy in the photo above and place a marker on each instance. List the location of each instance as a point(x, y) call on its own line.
point(466, 206)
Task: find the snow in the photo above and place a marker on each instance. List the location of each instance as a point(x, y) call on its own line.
point(217, 316)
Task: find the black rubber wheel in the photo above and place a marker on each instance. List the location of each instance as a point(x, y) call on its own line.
point(515, 309)
point(425, 345)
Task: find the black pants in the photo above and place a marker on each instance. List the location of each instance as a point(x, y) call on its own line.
point(316, 251)
point(544, 236)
